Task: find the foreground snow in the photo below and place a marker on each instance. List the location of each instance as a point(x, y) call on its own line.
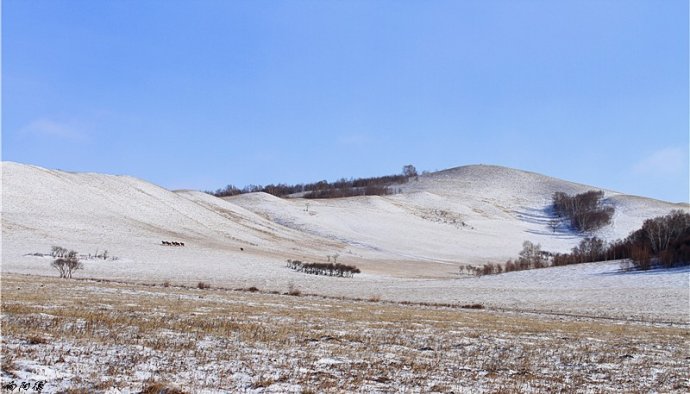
point(118, 338)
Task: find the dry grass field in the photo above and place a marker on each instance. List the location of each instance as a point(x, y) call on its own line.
point(90, 336)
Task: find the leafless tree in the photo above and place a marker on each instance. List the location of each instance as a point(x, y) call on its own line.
point(67, 264)
point(661, 230)
point(58, 251)
point(531, 255)
point(409, 171)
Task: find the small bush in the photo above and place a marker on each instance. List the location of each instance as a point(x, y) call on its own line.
point(293, 290)
point(160, 388)
point(374, 298)
point(203, 285)
point(36, 340)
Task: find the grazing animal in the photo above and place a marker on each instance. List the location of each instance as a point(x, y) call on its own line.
point(181, 243)
point(165, 243)
point(242, 249)
point(175, 243)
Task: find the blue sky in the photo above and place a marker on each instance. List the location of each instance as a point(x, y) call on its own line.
point(200, 94)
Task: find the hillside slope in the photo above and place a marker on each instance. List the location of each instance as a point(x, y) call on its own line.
point(407, 245)
point(129, 217)
point(470, 214)
point(465, 215)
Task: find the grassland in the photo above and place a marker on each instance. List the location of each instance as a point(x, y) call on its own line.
point(89, 336)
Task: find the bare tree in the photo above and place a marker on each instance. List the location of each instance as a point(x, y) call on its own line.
point(67, 264)
point(409, 171)
point(531, 255)
point(58, 251)
point(661, 230)
point(585, 211)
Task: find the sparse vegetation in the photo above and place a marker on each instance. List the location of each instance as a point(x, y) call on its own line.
point(374, 298)
point(293, 290)
point(318, 345)
point(160, 388)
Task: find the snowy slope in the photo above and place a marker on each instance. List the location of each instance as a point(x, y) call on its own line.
point(408, 245)
point(129, 217)
point(470, 214)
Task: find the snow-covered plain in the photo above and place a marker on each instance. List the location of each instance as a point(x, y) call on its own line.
point(408, 245)
point(105, 337)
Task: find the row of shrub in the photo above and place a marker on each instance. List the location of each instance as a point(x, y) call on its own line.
point(324, 189)
point(531, 257)
point(584, 211)
point(327, 269)
point(661, 242)
point(351, 192)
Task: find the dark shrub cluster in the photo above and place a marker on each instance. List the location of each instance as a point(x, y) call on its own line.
point(585, 211)
point(486, 269)
point(327, 269)
point(531, 257)
point(472, 306)
point(351, 192)
point(663, 241)
point(323, 189)
point(589, 250)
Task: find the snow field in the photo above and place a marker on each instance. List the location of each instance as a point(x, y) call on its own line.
point(109, 337)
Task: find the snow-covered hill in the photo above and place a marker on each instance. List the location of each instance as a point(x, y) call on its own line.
point(408, 245)
point(470, 214)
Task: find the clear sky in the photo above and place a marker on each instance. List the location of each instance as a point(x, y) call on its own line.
point(201, 94)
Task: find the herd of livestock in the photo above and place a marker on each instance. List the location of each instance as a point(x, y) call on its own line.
point(172, 243)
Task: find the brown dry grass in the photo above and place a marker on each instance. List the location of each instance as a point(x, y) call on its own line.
point(325, 345)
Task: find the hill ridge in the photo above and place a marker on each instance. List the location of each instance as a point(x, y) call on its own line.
point(466, 214)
